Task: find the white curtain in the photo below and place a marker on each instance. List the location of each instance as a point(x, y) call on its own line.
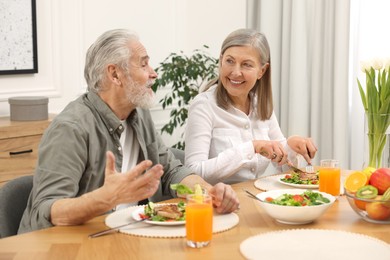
point(309, 43)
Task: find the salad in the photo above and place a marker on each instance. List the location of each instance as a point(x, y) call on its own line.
point(308, 198)
point(302, 178)
point(164, 212)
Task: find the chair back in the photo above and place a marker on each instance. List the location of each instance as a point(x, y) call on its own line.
point(13, 201)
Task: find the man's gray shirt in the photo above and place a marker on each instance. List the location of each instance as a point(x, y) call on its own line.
point(72, 156)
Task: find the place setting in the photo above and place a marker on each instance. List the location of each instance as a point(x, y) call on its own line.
point(161, 229)
point(187, 217)
point(307, 178)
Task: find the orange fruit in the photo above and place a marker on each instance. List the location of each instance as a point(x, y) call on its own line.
point(355, 181)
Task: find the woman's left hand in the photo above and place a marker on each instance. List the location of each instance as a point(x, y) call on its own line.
point(303, 146)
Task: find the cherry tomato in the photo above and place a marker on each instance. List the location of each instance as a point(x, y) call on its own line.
point(142, 216)
point(269, 199)
point(298, 198)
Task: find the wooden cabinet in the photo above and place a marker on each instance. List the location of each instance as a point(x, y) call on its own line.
point(19, 142)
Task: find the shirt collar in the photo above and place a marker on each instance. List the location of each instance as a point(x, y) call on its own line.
point(111, 121)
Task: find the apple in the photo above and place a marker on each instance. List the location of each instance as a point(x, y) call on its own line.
point(381, 179)
point(377, 210)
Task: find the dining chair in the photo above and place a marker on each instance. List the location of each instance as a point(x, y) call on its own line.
point(13, 201)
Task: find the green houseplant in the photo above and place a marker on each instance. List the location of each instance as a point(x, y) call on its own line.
point(376, 103)
point(184, 74)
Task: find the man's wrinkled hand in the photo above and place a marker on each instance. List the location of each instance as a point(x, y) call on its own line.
point(225, 199)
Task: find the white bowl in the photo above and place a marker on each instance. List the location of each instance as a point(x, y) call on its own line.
point(291, 214)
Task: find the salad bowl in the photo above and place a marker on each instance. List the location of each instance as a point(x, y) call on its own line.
point(292, 212)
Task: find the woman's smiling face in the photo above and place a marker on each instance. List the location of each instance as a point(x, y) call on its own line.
point(239, 70)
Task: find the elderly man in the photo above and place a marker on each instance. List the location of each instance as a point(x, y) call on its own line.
point(103, 150)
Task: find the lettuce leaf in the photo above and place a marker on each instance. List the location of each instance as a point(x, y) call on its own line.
point(181, 189)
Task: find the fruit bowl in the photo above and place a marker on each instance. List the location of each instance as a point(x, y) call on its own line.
point(293, 215)
point(371, 210)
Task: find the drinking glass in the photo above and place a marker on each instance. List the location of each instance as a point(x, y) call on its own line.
point(330, 177)
point(199, 220)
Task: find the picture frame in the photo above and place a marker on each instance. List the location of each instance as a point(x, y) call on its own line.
point(18, 34)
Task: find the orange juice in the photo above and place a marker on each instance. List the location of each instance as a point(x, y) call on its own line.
point(199, 221)
point(330, 180)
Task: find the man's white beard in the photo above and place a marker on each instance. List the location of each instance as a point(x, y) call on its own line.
point(140, 97)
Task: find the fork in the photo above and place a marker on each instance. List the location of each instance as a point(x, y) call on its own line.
point(251, 195)
point(309, 168)
point(115, 229)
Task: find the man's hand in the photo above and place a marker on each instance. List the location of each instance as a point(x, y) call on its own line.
point(133, 185)
point(118, 188)
point(224, 198)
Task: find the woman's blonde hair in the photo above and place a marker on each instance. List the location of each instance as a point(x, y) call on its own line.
point(263, 86)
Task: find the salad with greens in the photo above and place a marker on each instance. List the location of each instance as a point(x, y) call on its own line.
point(164, 212)
point(302, 178)
point(308, 198)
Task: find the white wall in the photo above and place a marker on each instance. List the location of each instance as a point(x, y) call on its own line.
point(66, 28)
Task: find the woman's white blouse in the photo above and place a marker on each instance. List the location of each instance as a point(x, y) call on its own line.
point(218, 142)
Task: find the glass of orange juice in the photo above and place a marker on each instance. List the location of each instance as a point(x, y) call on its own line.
point(330, 177)
point(199, 220)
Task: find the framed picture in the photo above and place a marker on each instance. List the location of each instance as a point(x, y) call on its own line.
point(18, 37)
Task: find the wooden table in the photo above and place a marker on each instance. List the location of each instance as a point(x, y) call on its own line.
point(73, 242)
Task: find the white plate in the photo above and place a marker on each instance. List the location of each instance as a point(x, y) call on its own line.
point(135, 215)
point(221, 222)
point(301, 186)
point(309, 244)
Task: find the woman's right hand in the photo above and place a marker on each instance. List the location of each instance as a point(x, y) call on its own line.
point(303, 146)
point(272, 150)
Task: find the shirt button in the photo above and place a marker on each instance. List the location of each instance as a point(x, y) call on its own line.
point(246, 126)
point(110, 129)
point(120, 127)
point(249, 156)
point(119, 148)
point(253, 170)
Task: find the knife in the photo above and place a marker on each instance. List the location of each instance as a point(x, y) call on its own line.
point(294, 168)
point(113, 229)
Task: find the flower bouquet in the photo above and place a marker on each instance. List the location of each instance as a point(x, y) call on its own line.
point(376, 102)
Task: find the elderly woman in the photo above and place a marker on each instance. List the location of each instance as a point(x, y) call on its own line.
point(232, 132)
